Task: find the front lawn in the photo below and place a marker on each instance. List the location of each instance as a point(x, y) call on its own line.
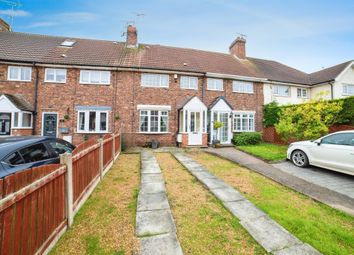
point(326, 229)
point(204, 226)
point(266, 151)
point(106, 222)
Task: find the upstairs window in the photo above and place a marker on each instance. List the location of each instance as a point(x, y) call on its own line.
point(279, 90)
point(19, 73)
point(153, 121)
point(302, 93)
point(348, 89)
point(154, 80)
point(189, 82)
point(55, 75)
point(215, 84)
point(242, 87)
point(95, 77)
point(92, 122)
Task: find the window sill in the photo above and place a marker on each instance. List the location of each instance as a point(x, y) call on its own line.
point(281, 95)
point(221, 90)
point(155, 87)
point(190, 88)
point(154, 133)
point(55, 82)
point(90, 132)
point(20, 80)
point(101, 84)
point(243, 92)
point(21, 128)
point(242, 131)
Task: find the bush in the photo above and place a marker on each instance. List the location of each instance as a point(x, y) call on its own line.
point(271, 114)
point(247, 138)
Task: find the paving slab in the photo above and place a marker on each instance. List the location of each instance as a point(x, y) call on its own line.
point(228, 194)
point(203, 174)
point(151, 178)
point(244, 210)
point(156, 201)
point(166, 244)
point(269, 234)
point(298, 250)
point(150, 170)
point(213, 183)
point(151, 188)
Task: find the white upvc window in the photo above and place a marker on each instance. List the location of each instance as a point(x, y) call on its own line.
point(189, 82)
point(348, 89)
point(280, 90)
point(89, 121)
point(95, 77)
point(22, 120)
point(153, 121)
point(215, 84)
point(55, 75)
point(302, 93)
point(242, 87)
point(154, 80)
point(19, 73)
point(243, 121)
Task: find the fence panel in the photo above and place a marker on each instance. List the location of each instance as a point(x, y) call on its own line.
point(32, 209)
point(117, 143)
point(107, 150)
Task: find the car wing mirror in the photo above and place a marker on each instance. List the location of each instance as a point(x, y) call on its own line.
point(318, 142)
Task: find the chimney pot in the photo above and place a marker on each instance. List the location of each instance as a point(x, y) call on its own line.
point(132, 37)
point(238, 48)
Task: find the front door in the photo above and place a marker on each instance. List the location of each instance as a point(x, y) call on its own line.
point(195, 136)
point(5, 123)
point(50, 124)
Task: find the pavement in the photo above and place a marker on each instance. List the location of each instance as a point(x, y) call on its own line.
point(155, 226)
point(269, 234)
point(333, 189)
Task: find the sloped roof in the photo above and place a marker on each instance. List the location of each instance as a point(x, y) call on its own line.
point(20, 102)
point(88, 52)
point(216, 100)
point(328, 74)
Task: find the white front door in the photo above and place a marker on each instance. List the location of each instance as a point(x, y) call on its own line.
point(195, 135)
point(223, 134)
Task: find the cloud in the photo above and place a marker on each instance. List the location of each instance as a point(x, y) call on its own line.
point(42, 24)
point(15, 13)
point(71, 17)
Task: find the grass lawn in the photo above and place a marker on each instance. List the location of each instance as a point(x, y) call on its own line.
point(267, 151)
point(326, 229)
point(106, 222)
point(204, 226)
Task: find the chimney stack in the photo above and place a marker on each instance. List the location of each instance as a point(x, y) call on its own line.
point(4, 27)
point(238, 48)
point(132, 37)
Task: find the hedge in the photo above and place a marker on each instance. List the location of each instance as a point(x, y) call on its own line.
point(247, 138)
point(346, 116)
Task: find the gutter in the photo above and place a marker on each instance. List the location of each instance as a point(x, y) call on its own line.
point(35, 99)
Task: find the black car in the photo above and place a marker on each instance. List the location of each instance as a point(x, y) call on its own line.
point(22, 152)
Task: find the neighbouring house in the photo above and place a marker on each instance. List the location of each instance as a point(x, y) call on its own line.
point(76, 88)
point(330, 83)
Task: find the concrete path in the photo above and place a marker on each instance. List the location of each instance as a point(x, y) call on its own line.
point(273, 237)
point(338, 182)
point(303, 185)
point(155, 226)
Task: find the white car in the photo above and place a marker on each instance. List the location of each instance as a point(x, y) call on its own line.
point(334, 152)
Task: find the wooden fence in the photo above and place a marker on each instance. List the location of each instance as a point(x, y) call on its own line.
point(38, 205)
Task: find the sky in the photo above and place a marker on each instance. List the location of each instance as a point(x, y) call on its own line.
point(307, 35)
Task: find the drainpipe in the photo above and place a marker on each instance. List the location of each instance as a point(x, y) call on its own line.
point(35, 100)
point(331, 84)
point(203, 82)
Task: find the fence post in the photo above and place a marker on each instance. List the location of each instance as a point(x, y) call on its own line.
point(114, 147)
point(101, 158)
point(67, 160)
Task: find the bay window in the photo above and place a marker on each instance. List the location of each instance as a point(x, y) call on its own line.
point(92, 121)
point(243, 121)
point(153, 121)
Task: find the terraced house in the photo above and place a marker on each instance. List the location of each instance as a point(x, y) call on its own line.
point(74, 88)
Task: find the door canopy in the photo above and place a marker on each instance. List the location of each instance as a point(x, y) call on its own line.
point(220, 105)
point(194, 104)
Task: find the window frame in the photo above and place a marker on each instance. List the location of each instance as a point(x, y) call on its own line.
point(243, 84)
point(215, 79)
point(241, 113)
point(189, 82)
point(20, 120)
point(142, 84)
point(281, 95)
point(302, 93)
point(346, 85)
point(90, 75)
point(87, 122)
point(55, 75)
point(19, 74)
point(160, 115)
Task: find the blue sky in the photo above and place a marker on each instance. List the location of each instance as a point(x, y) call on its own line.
point(307, 35)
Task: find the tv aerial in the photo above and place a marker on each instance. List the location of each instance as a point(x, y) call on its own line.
point(13, 5)
point(242, 35)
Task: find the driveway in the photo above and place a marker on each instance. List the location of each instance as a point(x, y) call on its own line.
point(341, 183)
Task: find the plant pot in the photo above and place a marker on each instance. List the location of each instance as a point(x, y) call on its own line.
point(215, 141)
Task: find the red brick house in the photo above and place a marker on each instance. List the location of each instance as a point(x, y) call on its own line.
point(74, 88)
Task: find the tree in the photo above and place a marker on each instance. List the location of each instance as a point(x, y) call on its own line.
point(307, 121)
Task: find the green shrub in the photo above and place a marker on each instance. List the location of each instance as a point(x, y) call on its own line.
point(271, 114)
point(346, 115)
point(247, 138)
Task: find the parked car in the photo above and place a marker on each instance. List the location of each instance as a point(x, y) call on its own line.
point(334, 152)
point(22, 152)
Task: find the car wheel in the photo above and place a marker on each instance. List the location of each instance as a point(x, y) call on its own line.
point(299, 158)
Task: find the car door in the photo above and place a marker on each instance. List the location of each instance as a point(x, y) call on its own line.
point(335, 152)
